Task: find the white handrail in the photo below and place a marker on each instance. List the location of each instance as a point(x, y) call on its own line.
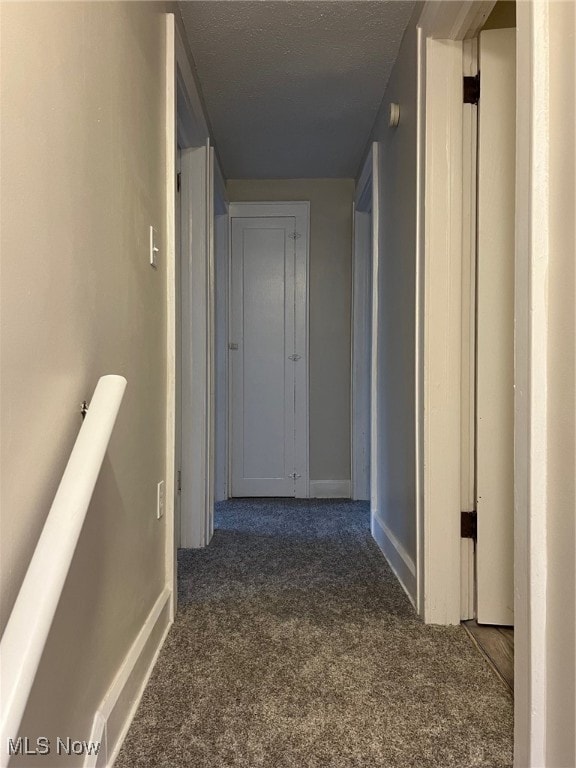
point(25, 635)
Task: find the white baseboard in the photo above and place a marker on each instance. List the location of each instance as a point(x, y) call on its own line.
point(398, 558)
point(329, 489)
point(118, 707)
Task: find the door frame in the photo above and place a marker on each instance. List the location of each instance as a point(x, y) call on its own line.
point(361, 320)
point(185, 125)
point(468, 361)
point(221, 330)
point(443, 25)
point(197, 352)
point(374, 356)
point(300, 210)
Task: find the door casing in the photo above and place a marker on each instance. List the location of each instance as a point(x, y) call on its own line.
point(443, 25)
point(361, 317)
point(197, 351)
point(221, 269)
point(185, 127)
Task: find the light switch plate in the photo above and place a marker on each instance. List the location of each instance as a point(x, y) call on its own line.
point(160, 500)
point(153, 247)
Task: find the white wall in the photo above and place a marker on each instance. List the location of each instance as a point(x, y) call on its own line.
point(83, 177)
point(330, 300)
point(397, 311)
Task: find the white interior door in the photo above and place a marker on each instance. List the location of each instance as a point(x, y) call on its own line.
point(495, 327)
point(267, 357)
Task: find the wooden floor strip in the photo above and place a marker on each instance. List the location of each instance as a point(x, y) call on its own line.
point(497, 645)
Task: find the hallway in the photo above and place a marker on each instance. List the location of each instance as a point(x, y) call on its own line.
point(294, 647)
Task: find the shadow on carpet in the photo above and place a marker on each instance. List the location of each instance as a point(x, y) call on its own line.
point(295, 647)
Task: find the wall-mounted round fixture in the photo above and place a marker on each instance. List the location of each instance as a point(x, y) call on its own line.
point(394, 115)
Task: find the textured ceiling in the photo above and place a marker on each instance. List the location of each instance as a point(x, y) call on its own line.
point(292, 87)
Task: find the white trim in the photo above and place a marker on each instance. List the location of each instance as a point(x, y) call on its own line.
point(361, 328)
point(171, 469)
point(120, 702)
point(438, 301)
point(374, 371)
point(396, 555)
point(210, 436)
point(454, 19)
point(442, 331)
point(356, 247)
point(530, 385)
point(301, 212)
point(438, 306)
point(419, 323)
point(98, 740)
point(221, 337)
point(330, 489)
point(361, 353)
point(468, 379)
point(228, 364)
point(197, 286)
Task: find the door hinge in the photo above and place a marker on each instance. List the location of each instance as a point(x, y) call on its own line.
point(471, 89)
point(469, 525)
point(178, 175)
point(179, 482)
point(295, 235)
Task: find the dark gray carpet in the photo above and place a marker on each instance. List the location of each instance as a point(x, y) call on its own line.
point(295, 647)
